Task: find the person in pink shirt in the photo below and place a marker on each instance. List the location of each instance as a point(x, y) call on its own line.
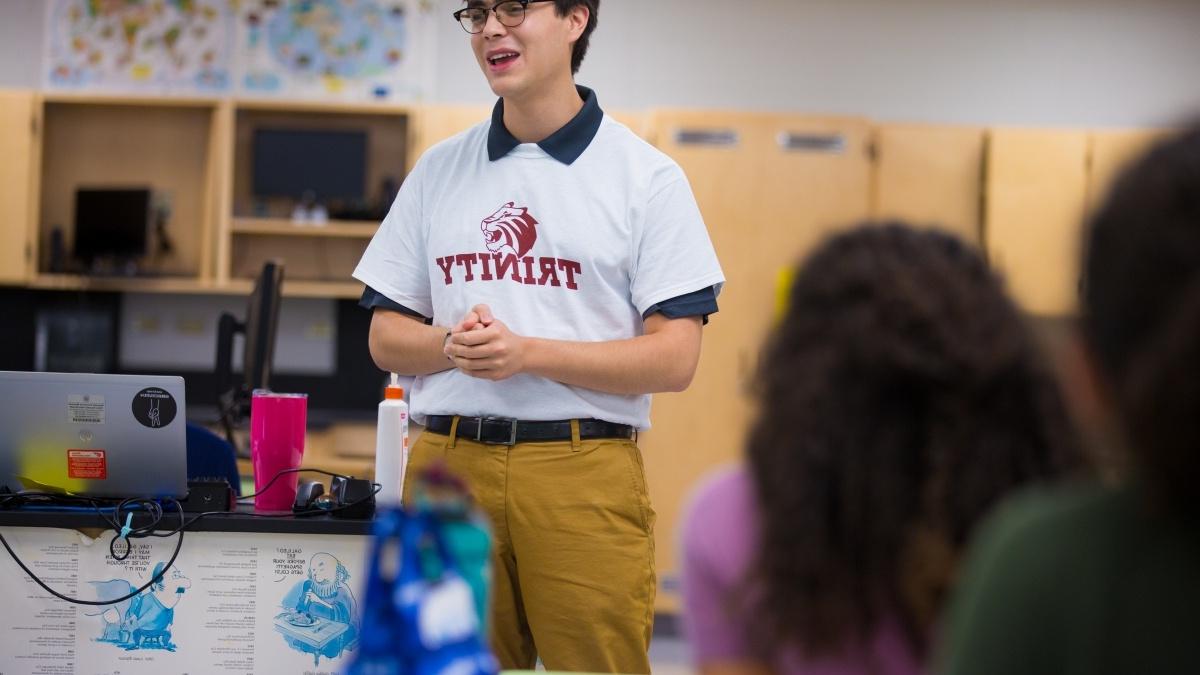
point(901, 396)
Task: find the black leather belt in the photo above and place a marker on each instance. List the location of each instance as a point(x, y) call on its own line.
point(503, 431)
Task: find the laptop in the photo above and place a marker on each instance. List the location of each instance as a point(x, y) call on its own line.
point(111, 436)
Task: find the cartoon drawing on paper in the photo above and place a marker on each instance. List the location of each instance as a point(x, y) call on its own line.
point(320, 615)
point(145, 620)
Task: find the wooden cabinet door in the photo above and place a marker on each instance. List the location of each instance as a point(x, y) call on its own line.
point(929, 175)
point(816, 183)
point(1036, 190)
point(18, 180)
point(1109, 153)
point(702, 427)
point(770, 187)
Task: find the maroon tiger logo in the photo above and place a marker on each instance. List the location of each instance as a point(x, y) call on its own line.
point(509, 230)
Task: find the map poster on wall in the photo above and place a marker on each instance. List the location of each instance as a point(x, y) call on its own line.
point(351, 49)
point(139, 46)
point(305, 49)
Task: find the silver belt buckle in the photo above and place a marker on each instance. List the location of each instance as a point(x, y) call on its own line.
point(512, 433)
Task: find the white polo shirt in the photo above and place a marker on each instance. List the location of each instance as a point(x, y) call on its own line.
point(566, 251)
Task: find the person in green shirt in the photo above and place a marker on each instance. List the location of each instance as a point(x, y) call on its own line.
point(1106, 579)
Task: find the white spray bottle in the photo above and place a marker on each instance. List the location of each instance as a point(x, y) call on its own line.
point(391, 444)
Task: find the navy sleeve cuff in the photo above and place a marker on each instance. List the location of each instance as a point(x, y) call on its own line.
point(699, 303)
point(372, 299)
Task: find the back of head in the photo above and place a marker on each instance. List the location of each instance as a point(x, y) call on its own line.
point(901, 397)
point(1142, 310)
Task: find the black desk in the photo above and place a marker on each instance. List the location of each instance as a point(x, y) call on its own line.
point(242, 520)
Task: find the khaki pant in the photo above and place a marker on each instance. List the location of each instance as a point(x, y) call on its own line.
point(573, 558)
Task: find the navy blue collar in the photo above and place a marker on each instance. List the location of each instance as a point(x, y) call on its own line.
point(565, 145)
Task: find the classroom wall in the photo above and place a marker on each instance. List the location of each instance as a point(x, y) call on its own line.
point(1022, 62)
point(1012, 62)
point(20, 43)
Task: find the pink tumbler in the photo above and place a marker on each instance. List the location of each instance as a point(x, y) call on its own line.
point(277, 423)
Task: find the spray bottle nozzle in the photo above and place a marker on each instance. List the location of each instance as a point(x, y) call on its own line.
point(394, 390)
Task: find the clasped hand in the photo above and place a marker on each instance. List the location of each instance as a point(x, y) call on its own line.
point(483, 346)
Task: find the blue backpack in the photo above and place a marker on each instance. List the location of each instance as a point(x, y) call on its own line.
point(420, 616)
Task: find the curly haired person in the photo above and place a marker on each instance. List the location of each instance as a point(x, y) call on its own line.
point(900, 397)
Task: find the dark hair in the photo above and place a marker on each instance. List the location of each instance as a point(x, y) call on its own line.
point(1142, 311)
point(579, 49)
point(902, 395)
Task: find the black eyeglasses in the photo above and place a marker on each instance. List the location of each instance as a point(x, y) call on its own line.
point(509, 13)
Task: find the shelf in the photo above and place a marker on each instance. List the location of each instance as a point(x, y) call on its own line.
point(303, 288)
point(283, 227)
point(297, 288)
point(124, 99)
point(346, 107)
point(79, 282)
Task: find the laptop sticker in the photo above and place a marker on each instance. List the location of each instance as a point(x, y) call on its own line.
point(89, 464)
point(154, 407)
point(85, 409)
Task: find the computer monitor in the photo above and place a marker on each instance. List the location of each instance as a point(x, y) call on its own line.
point(319, 164)
point(258, 328)
point(112, 224)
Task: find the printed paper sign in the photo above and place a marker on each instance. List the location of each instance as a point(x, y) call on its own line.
point(231, 603)
point(85, 409)
point(87, 464)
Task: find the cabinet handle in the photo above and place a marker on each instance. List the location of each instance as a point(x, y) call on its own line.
point(803, 142)
point(710, 137)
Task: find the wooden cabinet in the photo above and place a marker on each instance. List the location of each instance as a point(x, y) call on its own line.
point(319, 256)
point(163, 145)
point(1036, 192)
point(929, 175)
point(19, 125)
point(816, 183)
point(196, 156)
point(697, 429)
point(769, 186)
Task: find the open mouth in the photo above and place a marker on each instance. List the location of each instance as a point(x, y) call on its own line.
point(502, 58)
